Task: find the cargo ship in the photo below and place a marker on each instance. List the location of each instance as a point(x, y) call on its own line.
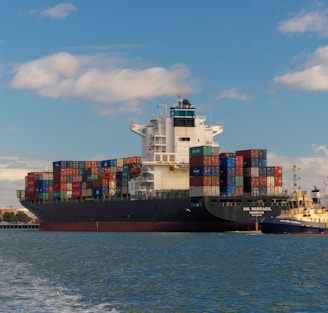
point(181, 182)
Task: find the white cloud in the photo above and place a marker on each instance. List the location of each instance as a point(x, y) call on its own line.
point(313, 76)
point(59, 11)
point(315, 21)
point(232, 93)
point(98, 78)
point(313, 171)
point(319, 149)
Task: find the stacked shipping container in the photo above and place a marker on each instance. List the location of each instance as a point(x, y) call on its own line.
point(39, 185)
point(204, 171)
point(211, 174)
point(246, 172)
point(82, 179)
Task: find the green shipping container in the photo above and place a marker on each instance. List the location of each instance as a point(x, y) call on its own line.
point(239, 181)
point(200, 151)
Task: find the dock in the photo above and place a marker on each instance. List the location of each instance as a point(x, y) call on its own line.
point(18, 226)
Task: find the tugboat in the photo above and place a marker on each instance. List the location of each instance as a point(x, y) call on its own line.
point(304, 215)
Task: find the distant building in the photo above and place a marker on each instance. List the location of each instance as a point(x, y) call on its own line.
point(15, 211)
point(7, 210)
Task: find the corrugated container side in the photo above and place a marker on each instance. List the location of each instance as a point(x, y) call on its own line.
point(270, 181)
point(239, 190)
point(239, 160)
point(249, 153)
point(227, 171)
point(227, 190)
point(200, 191)
point(262, 154)
point(251, 181)
point(270, 170)
point(262, 171)
point(228, 162)
point(262, 181)
point(251, 171)
point(200, 171)
point(251, 162)
point(200, 160)
point(278, 181)
point(239, 171)
point(278, 171)
point(262, 162)
point(239, 181)
point(200, 150)
point(204, 181)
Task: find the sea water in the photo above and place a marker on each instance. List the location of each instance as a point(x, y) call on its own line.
point(162, 272)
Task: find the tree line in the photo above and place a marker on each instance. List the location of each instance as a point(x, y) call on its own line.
point(19, 217)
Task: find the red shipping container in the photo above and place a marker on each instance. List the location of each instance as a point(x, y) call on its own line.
point(239, 171)
point(76, 185)
point(203, 160)
point(226, 154)
point(76, 193)
point(250, 153)
point(278, 171)
point(262, 181)
point(111, 176)
point(251, 181)
point(239, 161)
point(75, 178)
point(278, 181)
point(204, 181)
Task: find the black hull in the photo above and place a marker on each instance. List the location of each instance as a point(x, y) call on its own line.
point(250, 209)
point(286, 226)
point(172, 214)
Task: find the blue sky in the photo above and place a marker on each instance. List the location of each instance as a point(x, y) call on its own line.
point(74, 74)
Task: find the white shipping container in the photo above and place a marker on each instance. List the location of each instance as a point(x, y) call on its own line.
point(69, 194)
point(200, 191)
point(270, 181)
point(119, 162)
point(251, 171)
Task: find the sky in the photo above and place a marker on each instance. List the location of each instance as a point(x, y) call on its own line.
point(73, 75)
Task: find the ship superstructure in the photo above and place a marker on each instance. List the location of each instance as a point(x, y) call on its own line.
point(165, 149)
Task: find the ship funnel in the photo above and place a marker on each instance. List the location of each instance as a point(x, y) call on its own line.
point(315, 194)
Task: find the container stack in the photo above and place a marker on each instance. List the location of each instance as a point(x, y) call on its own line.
point(227, 174)
point(239, 171)
point(274, 180)
point(231, 174)
point(204, 171)
point(255, 176)
point(39, 185)
point(82, 179)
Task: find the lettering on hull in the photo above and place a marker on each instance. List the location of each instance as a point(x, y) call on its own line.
point(257, 211)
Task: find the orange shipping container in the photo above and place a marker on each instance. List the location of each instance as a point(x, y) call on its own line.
point(239, 190)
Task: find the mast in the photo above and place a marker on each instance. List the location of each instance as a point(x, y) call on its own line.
point(295, 176)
